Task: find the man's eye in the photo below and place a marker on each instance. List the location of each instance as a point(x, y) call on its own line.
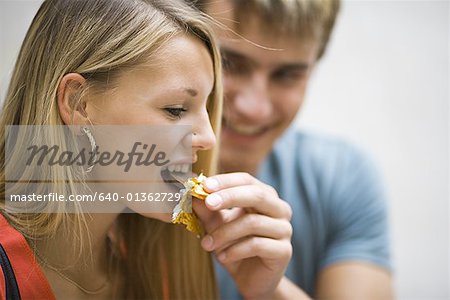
point(227, 64)
point(286, 76)
point(176, 112)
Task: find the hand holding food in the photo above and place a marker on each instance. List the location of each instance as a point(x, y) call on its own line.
point(247, 227)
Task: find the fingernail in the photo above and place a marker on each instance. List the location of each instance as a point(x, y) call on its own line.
point(214, 200)
point(212, 184)
point(222, 256)
point(207, 242)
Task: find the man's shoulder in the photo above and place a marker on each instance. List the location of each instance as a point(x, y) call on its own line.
point(318, 149)
point(318, 163)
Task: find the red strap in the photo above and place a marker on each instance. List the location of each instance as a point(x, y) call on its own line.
point(2, 285)
point(30, 278)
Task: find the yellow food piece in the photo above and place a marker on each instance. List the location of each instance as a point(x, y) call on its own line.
point(191, 221)
point(182, 213)
point(197, 190)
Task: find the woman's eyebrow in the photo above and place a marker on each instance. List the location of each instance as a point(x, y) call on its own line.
point(191, 92)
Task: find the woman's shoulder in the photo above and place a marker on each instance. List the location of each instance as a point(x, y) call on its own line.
point(19, 266)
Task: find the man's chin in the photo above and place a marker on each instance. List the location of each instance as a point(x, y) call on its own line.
point(244, 141)
point(233, 159)
point(241, 152)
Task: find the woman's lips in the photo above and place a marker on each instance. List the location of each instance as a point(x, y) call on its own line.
point(176, 172)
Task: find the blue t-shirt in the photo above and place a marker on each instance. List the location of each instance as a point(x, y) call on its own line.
point(338, 204)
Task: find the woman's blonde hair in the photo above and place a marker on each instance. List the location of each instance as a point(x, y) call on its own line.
point(99, 39)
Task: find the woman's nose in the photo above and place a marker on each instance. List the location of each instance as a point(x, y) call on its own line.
point(203, 137)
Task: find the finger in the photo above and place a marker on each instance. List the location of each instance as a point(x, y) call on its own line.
point(249, 224)
point(249, 196)
point(211, 220)
point(265, 248)
point(223, 181)
point(231, 214)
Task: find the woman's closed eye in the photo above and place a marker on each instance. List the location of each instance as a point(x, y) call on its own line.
point(175, 112)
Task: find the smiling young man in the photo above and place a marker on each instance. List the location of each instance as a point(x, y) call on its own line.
point(339, 220)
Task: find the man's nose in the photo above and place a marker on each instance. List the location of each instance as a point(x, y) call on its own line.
point(252, 100)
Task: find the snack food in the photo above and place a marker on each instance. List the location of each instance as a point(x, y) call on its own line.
point(182, 213)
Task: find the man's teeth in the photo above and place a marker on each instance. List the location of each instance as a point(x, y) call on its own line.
point(180, 168)
point(245, 129)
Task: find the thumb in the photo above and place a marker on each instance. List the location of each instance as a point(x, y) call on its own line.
point(210, 219)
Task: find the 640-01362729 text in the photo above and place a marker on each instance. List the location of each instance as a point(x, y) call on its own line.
point(101, 197)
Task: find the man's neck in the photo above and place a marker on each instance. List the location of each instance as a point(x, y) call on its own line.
point(252, 170)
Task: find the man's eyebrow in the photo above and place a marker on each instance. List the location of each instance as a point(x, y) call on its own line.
point(293, 67)
point(228, 53)
point(191, 92)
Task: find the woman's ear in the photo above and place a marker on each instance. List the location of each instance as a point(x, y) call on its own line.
point(71, 108)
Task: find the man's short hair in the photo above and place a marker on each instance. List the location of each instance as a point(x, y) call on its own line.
point(301, 18)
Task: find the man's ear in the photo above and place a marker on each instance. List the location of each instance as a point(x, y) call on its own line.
point(71, 108)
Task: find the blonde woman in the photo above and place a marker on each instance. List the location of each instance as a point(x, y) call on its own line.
point(131, 62)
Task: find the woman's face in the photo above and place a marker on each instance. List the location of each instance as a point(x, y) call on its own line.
point(173, 92)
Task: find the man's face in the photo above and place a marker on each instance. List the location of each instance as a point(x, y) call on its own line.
point(264, 88)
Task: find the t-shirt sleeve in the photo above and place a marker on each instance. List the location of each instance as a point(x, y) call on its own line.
point(357, 212)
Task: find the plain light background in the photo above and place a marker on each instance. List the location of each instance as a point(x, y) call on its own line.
point(383, 84)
